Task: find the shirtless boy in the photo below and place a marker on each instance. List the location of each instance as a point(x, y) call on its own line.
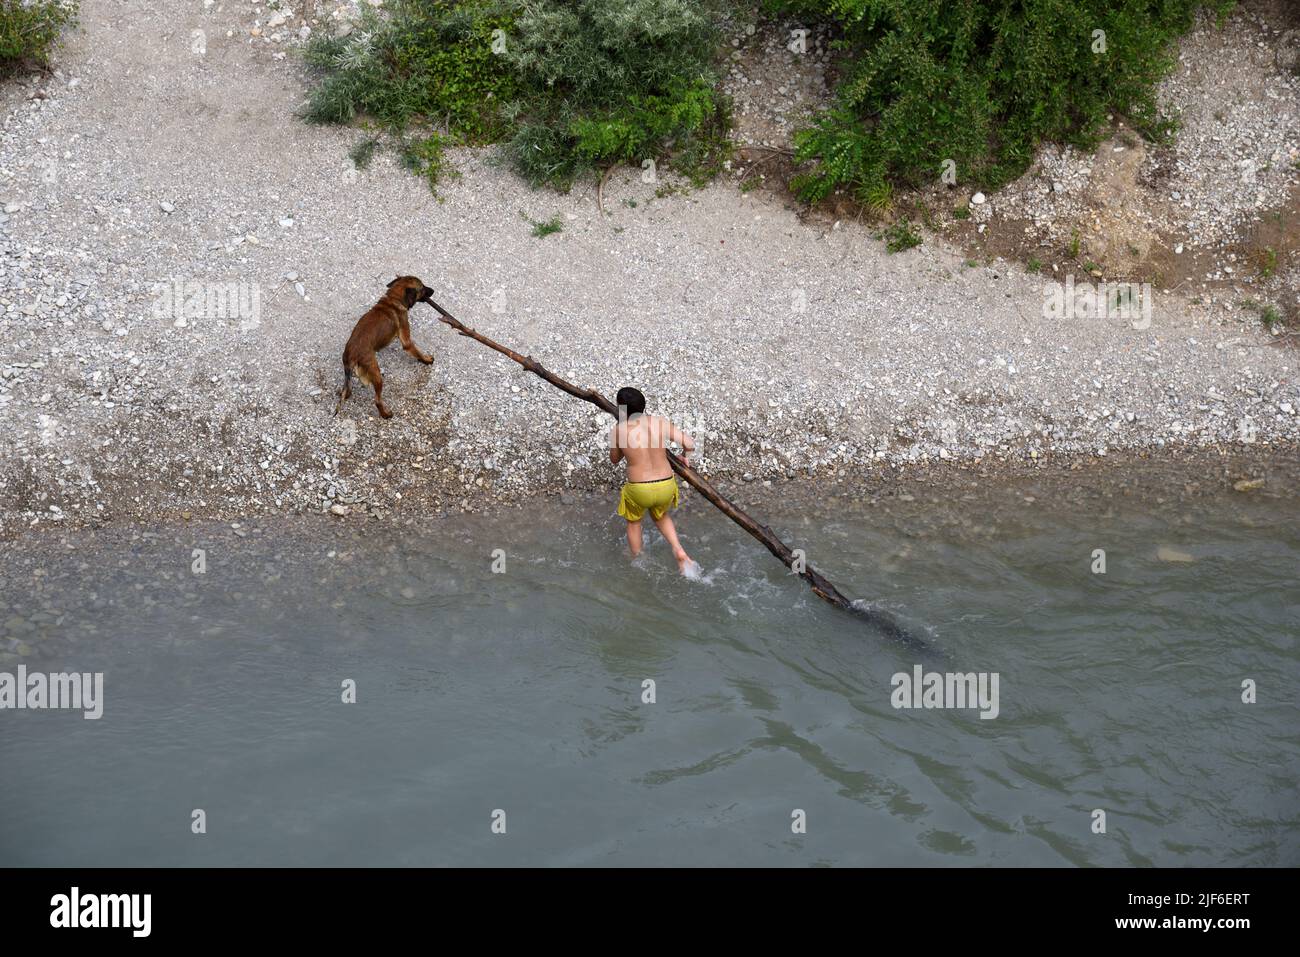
point(651, 486)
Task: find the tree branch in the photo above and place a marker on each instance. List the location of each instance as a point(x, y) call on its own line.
point(820, 585)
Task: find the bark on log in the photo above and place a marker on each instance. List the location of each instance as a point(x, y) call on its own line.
point(820, 585)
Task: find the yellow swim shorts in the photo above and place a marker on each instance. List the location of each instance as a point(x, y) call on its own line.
point(658, 497)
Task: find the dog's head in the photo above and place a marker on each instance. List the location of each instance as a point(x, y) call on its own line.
point(409, 290)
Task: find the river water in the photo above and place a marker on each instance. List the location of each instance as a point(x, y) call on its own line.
point(576, 708)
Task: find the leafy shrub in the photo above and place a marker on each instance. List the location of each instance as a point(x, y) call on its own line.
point(981, 82)
point(565, 85)
point(426, 62)
point(612, 80)
point(29, 30)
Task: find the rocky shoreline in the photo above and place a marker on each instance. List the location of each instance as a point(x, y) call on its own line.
point(796, 350)
point(1271, 470)
point(285, 563)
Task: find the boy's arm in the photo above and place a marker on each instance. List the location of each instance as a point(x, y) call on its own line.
point(680, 438)
point(615, 453)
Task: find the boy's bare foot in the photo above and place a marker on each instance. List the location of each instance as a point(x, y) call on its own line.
point(685, 564)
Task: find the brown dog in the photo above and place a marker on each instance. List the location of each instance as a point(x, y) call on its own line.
point(385, 321)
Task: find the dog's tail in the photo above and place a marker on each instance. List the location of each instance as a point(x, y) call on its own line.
point(347, 387)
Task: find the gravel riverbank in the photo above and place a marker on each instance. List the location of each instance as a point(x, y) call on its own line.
point(280, 565)
point(792, 348)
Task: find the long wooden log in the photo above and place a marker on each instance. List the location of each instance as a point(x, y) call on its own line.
point(820, 585)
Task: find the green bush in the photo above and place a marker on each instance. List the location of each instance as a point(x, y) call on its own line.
point(29, 29)
point(981, 82)
point(426, 62)
point(610, 81)
point(564, 86)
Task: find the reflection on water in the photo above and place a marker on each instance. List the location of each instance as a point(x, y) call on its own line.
point(620, 714)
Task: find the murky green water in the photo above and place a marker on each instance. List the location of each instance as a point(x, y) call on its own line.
point(523, 691)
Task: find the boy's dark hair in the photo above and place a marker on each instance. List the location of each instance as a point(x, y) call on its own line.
point(632, 399)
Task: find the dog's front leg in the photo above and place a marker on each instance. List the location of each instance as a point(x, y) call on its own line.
point(404, 335)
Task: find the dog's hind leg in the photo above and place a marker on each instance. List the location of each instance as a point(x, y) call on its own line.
point(368, 372)
point(346, 392)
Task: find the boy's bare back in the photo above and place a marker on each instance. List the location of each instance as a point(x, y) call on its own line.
point(643, 441)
